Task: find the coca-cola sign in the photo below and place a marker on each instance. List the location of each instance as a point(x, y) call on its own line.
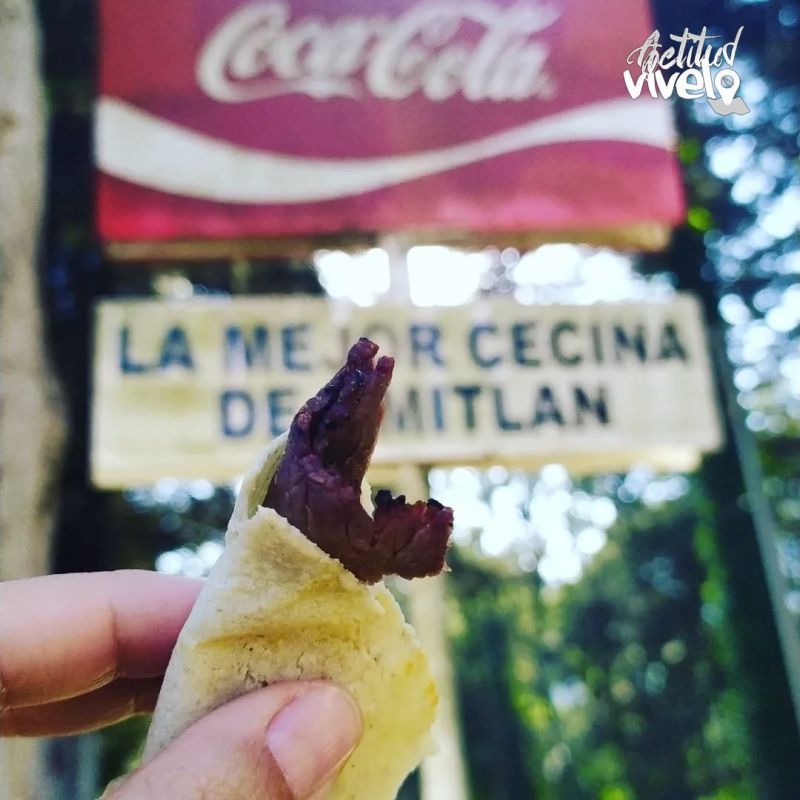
point(221, 119)
point(260, 51)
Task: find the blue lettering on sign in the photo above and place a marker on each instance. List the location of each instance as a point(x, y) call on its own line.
point(623, 341)
point(597, 343)
point(671, 345)
point(503, 422)
point(237, 413)
point(294, 343)
point(476, 333)
point(438, 410)
point(280, 412)
point(597, 406)
point(555, 344)
point(523, 344)
point(425, 340)
point(406, 412)
point(175, 350)
point(468, 395)
point(242, 352)
point(546, 408)
point(127, 364)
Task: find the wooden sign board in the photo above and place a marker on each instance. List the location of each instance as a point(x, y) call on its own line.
point(195, 389)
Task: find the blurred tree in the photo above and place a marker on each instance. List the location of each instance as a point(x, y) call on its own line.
point(31, 422)
point(635, 633)
point(494, 735)
point(738, 252)
point(617, 683)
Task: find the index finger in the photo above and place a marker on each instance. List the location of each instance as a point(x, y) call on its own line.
point(63, 635)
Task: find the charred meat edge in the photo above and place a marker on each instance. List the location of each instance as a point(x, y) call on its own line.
point(317, 486)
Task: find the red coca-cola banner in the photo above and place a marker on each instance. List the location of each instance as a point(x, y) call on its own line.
point(228, 119)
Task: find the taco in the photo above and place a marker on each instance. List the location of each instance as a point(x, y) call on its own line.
point(297, 593)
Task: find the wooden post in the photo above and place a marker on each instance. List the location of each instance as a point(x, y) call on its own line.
point(443, 775)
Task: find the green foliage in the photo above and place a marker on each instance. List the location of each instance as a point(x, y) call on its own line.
point(121, 744)
point(616, 685)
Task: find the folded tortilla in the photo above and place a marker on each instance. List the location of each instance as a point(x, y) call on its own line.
point(276, 607)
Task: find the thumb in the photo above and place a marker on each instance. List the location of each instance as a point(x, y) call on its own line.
point(284, 742)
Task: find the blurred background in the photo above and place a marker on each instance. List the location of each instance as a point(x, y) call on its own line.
point(612, 635)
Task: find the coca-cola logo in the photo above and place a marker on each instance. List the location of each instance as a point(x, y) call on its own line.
point(259, 51)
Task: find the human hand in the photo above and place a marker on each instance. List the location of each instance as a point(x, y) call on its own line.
point(81, 651)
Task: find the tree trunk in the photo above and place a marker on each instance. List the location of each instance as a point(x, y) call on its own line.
point(31, 420)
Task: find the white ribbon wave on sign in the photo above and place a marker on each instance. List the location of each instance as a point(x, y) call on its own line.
point(139, 147)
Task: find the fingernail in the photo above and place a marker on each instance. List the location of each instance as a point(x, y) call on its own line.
point(311, 736)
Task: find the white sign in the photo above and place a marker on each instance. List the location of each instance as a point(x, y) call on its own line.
point(195, 389)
